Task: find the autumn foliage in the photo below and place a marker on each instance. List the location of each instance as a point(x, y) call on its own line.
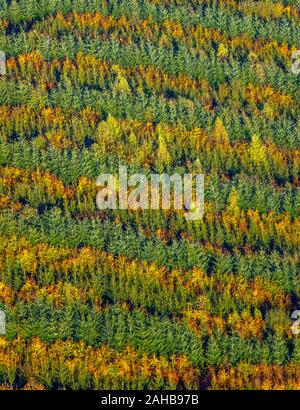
point(120, 299)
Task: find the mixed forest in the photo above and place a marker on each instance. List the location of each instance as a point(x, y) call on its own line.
point(126, 299)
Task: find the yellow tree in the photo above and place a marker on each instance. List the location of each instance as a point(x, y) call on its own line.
point(221, 134)
point(258, 152)
point(222, 51)
point(163, 154)
point(233, 205)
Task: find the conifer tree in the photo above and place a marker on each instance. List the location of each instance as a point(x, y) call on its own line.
point(258, 152)
point(221, 135)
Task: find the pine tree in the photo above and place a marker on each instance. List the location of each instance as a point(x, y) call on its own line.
point(221, 135)
point(296, 352)
point(233, 203)
point(222, 52)
point(279, 350)
point(258, 152)
point(214, 355)
point(164, 157)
